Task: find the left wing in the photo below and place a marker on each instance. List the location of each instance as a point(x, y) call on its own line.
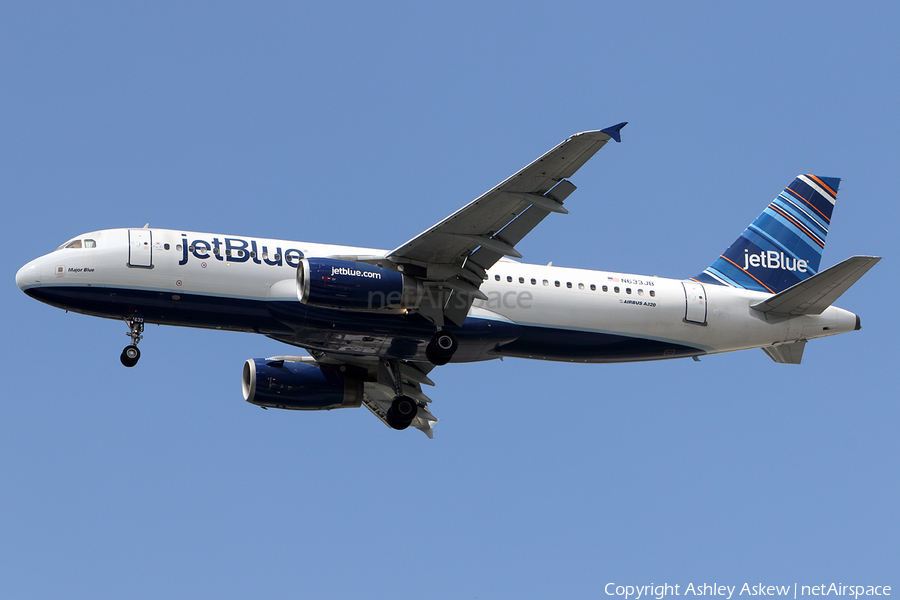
point(452, 256)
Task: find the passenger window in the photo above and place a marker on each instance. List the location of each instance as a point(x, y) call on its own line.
point(556, 283)
point(569, 284)
point(496, 278)
point(616, 289)
point(521, 280)
point(640, 292)
point(580, 286)
point(627, 290)
point(593, 287)
point(546, 282)
point(605, 288)
point(652, 293)
point(166, 246)
point(533, 281)
point(509, 278)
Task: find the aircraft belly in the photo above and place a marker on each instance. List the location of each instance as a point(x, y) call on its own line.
point(163, 308)
point(546, 343)
point(387, 335)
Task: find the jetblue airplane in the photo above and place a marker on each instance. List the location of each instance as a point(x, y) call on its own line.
point(376, 322)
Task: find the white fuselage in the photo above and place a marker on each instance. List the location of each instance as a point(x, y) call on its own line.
point(249, 284)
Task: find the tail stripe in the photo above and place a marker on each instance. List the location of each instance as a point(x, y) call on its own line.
point(771, 228)
point(719, 278)
point(810, 191)
point(824, 187)
point(803, 229)
point(748, 273)
point(802, 199)
point(811, 220)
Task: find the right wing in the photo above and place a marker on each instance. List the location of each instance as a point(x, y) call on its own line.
point(453, 255)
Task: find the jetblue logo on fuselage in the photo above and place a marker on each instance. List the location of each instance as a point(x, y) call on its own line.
point(238, 250)
point(774, 260)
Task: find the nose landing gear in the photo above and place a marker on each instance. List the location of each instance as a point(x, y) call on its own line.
point(131, 354)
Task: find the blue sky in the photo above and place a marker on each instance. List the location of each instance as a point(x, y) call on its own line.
point(364, 125)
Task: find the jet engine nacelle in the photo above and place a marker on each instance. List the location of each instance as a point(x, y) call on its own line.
point(298, 386)
point(349, 285)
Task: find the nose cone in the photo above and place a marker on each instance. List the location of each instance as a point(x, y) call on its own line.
point(28, 276)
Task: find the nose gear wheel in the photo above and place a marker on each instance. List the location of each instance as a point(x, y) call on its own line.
point(131, 354)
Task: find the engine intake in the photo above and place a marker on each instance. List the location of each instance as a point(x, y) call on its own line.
point(298, 386)
point(349, 285)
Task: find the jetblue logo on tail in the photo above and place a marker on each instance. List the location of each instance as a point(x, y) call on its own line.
point(774, 260)
point(783, 246)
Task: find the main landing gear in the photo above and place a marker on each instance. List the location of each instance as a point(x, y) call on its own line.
point(131, 354)
point(441, 348)
point(404, 408)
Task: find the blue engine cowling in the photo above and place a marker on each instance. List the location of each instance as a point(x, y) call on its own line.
point(349, 285)
point(298, 386)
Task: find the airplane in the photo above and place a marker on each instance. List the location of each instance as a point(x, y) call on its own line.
point(375, 323)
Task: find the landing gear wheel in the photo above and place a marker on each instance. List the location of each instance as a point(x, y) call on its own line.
point(130, 356)
point(402, 412)
point(441, 348)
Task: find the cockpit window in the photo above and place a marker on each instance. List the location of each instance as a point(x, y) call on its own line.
point(78, 244)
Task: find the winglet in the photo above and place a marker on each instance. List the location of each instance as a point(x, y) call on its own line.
point(613, 131)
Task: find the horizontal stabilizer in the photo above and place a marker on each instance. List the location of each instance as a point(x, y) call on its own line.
point(812, 296)
point(786, 354)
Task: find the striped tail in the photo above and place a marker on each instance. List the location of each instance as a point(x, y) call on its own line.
point(783, 246)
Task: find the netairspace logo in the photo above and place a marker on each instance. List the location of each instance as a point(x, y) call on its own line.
point(637, 592)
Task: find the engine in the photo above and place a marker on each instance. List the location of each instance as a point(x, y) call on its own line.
point(349, 285)
point(298, 385)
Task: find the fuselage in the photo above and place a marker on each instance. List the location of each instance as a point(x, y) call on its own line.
point(249, 284)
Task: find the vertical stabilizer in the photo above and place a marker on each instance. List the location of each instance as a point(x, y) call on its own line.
point(783, 246)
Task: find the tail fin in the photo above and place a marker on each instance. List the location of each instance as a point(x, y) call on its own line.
point(783, 246)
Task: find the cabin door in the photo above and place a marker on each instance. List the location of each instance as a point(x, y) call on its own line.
point(140, 248)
